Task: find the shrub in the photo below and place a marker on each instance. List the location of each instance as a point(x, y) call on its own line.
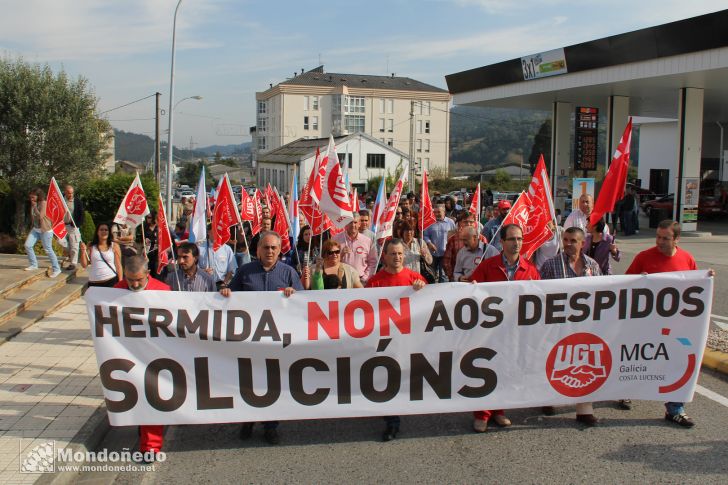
point(88, 228)
point(102, 197)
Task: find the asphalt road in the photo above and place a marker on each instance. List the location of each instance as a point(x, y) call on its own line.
point(636, 446)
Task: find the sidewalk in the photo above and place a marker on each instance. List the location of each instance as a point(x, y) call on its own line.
point(49, 389)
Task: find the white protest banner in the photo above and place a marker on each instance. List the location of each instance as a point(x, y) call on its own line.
point(185, 358)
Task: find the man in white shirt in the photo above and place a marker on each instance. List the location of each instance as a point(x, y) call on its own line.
point(580, 217)
point(223, 264)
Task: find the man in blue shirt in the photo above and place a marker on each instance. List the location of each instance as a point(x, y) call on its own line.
point(491, 227)
point(436, 238)
point(266, 273)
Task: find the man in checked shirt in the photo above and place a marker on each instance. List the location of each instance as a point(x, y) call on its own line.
point(572, 263)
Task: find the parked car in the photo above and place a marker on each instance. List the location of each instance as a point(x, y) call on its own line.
point(708, 205)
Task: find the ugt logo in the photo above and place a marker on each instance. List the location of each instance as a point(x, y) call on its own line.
point(136, 203)
point(578, 364)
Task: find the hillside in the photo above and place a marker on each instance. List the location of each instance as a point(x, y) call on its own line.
point(140, 148)
point(488, 138)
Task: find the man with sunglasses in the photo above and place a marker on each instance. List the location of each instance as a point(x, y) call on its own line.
point(266, 273)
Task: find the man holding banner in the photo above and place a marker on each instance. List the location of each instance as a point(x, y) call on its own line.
point(394, 274)
point(664, 257)
point(507, 266)
point(136, 278)
point(573, 263)
point(265, 274)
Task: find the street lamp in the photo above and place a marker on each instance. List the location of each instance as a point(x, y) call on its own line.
point(171, 117)
point(188, 97)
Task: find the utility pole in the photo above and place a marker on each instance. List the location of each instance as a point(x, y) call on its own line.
point(157, 161)
point(412, 147)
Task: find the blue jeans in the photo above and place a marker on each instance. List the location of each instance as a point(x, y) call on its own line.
point(46, 238)
point(439, 269)
point(674, 408)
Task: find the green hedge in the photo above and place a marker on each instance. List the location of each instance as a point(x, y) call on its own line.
point(102, 197)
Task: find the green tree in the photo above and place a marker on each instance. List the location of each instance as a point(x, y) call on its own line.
point(48, 127)
point(189, 174)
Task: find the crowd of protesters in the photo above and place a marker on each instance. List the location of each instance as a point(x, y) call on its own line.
point(458, 247)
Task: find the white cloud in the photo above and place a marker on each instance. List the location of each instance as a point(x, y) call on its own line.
point(71, 30)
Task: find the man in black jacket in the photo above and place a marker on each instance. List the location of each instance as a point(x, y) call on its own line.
point(75, 206)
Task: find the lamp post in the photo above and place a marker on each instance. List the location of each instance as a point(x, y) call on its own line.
point(171, 117)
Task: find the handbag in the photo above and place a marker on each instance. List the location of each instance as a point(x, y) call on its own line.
point(427, 271)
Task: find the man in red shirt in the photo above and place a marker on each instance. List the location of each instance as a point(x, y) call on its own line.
point(394, 274)
point(507, 266)
point(136, 278)
point(664, 257)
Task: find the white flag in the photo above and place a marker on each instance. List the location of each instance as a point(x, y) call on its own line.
point(329, 189)
point(134, 206)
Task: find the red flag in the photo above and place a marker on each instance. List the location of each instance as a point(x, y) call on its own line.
point(614, 182)
point(271, 200)
point(256, 224)
point(385, 225)
point(56, 209)
point(281, 225)
point(427, 215)
point(225, 215)
point(247, 206)
point(164, 240)
point(309, 207)
point(475, 205)
point(134, 206)
point(329, 189)
point(519, 212)
point(354, 200)
point(536, 232)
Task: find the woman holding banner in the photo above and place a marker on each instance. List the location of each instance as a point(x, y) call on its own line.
point(103, 257)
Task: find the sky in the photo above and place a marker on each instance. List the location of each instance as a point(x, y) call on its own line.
point(226, 50)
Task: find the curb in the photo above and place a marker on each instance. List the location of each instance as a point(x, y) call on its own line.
point(716, 360)
point(88, 438)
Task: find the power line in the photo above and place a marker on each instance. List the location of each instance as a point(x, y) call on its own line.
point(127, 104)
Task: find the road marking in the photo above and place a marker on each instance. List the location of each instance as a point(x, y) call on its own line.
point(722, 325)
point(711, 395)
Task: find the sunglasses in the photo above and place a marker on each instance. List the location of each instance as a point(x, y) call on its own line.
point(333, 252)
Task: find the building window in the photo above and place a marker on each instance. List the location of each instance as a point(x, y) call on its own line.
point(427, 126)
point(341, 159)
point(305, 103)
point(390, 142)
point(418, 107)
point(314, 122)
point(390, 106)
point(354, 104)
point(390, 125)
point(426, 108)
point(427, 164)
point(381, 125)
point(305, 122)
point(314, 103)
point(381, 106)
point(418, 163)
point(375, 160)
point(419, 126)
point(261, 143)
point(267, 176)
point(354, 124)
point(419, 144)
point(262, 124)
point(427, 145)
point(261, 107)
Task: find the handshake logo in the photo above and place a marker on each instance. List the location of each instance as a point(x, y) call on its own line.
point(579, 364)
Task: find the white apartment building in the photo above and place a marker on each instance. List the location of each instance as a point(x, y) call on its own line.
point(315, 104)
